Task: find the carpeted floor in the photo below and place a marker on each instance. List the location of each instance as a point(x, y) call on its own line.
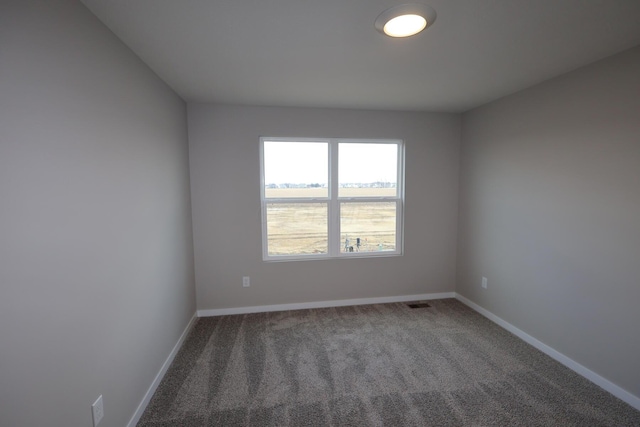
point(373, 365)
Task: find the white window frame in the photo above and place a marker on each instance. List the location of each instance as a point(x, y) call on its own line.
point(333, 201)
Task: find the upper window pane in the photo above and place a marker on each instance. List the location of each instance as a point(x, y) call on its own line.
point(296, 169)
point(367, 170)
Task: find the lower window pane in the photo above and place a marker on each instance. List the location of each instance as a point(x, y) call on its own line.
point(297, 228)
point(368, 227)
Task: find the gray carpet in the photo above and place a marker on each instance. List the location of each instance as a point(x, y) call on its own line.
point(373, 365)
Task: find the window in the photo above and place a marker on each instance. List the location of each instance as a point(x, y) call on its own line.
point(331, 198)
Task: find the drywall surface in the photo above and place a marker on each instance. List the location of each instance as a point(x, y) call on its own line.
point(225, 182)
point(550, 214)
point(96, 255)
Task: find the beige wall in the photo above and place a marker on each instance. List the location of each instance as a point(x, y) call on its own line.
point(96, 255)
point(550, 214)
point(225, 177)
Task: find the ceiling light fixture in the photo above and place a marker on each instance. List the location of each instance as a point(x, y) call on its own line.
point(405, 20)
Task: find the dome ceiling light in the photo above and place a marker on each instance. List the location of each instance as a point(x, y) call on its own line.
point(405, 20)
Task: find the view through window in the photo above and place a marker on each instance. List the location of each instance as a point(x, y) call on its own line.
point(331, 198)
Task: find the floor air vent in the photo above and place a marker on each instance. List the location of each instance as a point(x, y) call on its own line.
point(418, 305)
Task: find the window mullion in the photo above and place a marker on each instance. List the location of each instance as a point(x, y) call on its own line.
point(334, 207)
point(399, 226)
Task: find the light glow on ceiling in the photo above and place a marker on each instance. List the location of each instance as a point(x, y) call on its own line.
point(404, 25)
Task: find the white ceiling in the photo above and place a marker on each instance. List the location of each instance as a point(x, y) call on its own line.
point(327, 53)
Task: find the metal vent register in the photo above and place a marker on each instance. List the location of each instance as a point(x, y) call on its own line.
point(418, 305)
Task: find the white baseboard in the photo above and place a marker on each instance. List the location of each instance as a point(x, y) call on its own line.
point(163, 370)
point(322, 304)
point(604, 383)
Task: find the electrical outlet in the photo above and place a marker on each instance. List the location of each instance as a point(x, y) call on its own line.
point(484, 282)
point(98, 411)
point(246, 281)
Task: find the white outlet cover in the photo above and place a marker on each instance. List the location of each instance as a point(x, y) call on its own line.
point(98, 411)
point(484, 282)
point(246, 281)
